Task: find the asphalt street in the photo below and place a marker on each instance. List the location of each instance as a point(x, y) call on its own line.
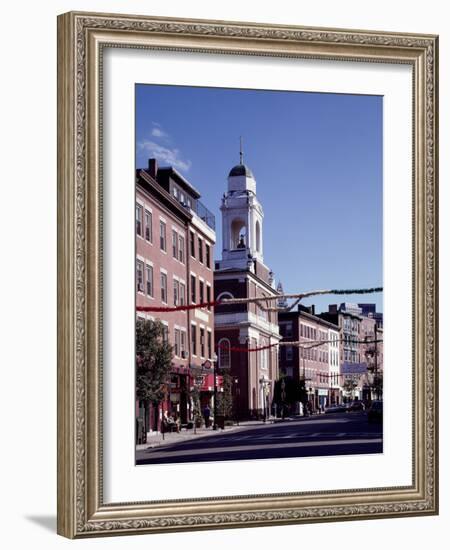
point(321, 435)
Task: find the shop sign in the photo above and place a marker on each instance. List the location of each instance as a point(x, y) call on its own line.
point(353, 368)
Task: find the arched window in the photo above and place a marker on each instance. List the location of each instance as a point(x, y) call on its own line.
point(224, 354)
point(258, 236)
point(263, 354)
point(238, 234)
point(224, 295)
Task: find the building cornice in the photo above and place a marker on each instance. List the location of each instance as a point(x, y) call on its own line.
point(287, 315)
point(242, 319)
point(201, 226)
point(181, 180)
point(148, 184)
point(233, 273)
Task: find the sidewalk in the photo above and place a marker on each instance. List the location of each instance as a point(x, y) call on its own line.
point(155, 439)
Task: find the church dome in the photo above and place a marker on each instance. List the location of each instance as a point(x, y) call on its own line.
point(240, 170)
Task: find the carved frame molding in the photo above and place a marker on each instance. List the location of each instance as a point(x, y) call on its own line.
point(81, 39)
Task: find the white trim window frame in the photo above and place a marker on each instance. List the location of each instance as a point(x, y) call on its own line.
point(182, 293)
point(148, 225)
point(208, 255)
point(149, 280)
point(140, 276)
point(176, 292)
point(181, 248)
point(175, 244)
point(194, 339)
point(183, 340)
point(163, 280)
point(192, 243)
point(202, 342)
point(200, 249)
point(139, 214)
point(193, 289)
point(177, 342)
point(163, 235)
point(208, 295)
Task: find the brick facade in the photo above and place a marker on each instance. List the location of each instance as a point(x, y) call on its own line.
point(167, 274)
point(307, 363)
point(246, 326)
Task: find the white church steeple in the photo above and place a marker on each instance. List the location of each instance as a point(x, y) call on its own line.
point(242, 218)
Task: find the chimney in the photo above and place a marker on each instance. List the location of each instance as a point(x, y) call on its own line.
point(313, 309)
point(332, 308)
point(153, 167)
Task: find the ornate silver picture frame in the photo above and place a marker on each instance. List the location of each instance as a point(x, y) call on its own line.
point(82, 40)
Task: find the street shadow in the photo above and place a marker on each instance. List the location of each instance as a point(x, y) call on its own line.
point(222, 438)
point(269, 436)
point(246, 436)
point(46, 522)
point(264, 454)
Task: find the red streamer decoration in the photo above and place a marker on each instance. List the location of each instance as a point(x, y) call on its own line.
point(158, 309)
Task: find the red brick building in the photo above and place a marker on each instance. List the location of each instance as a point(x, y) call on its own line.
point(241, 273)
point(313, 365)
point(175, 236)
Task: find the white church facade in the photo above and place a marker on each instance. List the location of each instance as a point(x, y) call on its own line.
point(241, 273)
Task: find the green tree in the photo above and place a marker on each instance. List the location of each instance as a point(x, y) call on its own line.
point(377, 384)
point(194, 397)
point(287, 393)
point(225, 398)
point(302, 393)
point(153, 362)
point(374, 371)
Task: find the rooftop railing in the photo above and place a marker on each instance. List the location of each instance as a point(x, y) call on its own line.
point(206, 215)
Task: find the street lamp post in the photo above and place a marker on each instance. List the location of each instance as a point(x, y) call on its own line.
point(263, 383)
point(264, 401)
point(237, 395)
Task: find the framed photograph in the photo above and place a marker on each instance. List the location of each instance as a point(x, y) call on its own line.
point(247, 276)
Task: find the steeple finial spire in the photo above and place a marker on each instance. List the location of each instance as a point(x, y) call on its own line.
point(282, 302)
point(241, 154)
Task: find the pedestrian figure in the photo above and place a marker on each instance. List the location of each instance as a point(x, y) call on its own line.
point(170, 423)
point(177, 423)
point(206, 415)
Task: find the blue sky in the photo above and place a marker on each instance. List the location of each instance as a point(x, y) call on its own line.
point(317, 161)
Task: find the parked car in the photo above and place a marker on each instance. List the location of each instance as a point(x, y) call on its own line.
point(335, 409)
point(355, 406)
point(375, 412)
